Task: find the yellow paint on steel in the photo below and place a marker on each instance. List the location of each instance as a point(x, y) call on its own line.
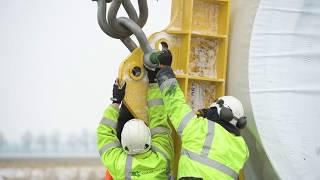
point(136, 84)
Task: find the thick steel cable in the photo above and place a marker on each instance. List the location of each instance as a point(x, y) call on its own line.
point(143, 41)
point(129, 43)
point(137, 31)
point(102, 21)
point(131, 11)
point(121, 28)
point(112, 18)
point(105, 27)
point(143, 11)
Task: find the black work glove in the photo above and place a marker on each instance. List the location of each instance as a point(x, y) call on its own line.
point(202, 112)
point(163, 57)
point(209, 113)
point(152, 75)
point(164, 74)
point(118, 93)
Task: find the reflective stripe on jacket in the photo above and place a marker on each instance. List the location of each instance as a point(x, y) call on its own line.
point(154, 164)
point(208, 150)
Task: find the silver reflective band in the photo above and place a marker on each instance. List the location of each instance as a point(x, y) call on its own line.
point(159, 130)
point(210, 162)
point(128, 167)
point(153, 85)
point(156, 149)
point(168, 83)
point(185, 121)
point(107, 147)
point(108, 122)
point(209, 139)
point(155, 102)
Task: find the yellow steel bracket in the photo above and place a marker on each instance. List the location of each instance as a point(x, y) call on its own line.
point(132, 72)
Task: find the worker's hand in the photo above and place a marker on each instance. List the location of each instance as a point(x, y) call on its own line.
point(202, 112)
point(209, 113)
point(152, 75)
point(118, 92)
point(163, 58)
point(165, 73)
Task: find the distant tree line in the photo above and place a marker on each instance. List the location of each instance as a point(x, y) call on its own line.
point(54, 142)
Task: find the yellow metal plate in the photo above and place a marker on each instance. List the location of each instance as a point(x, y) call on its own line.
point(136, 84)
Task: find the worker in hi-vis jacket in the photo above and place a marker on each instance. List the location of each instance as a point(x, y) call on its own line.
point(143, 152)
point(212, 147)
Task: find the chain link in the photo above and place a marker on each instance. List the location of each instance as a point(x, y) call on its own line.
point(112, 26)
point(123, 27)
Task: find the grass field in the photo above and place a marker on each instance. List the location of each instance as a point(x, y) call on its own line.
point(51, 169)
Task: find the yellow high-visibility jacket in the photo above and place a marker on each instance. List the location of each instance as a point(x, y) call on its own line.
point(208, 150)
point(154, 164)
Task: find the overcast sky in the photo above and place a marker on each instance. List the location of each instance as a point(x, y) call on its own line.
point(56, 66)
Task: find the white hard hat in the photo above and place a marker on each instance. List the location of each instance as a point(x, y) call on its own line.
point(237, 116)
point(135, 137)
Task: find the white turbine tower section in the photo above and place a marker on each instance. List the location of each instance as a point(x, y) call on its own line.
point(243, 14)
point(284, 85)
point(277, 79)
